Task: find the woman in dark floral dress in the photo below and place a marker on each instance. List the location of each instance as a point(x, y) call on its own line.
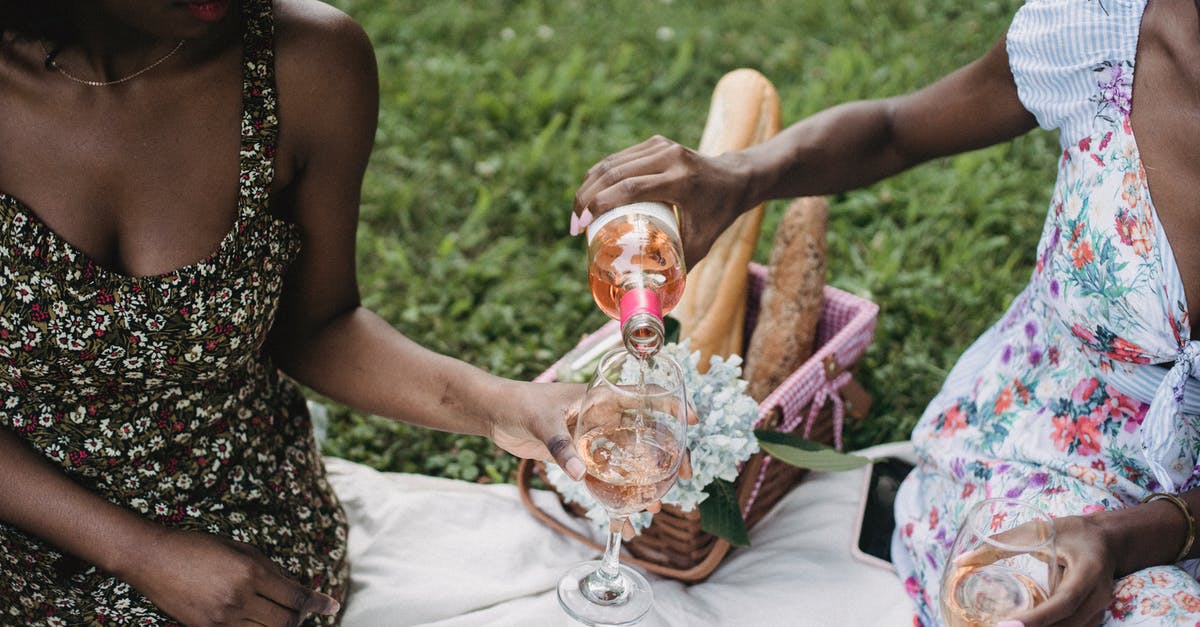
point(156, 467)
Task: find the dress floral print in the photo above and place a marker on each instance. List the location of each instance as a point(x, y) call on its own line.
point(1038, 407)
point(155, 391)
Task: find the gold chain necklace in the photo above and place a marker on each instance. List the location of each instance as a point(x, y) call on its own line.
point(52, 64)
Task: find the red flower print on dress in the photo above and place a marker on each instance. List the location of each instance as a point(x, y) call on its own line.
point(1114, 347)
point(1188, 602)
point(1124, 410)
point(1084, 389)
point(953, 419)
point(1004, 400)
point(1081, 255)
point(1083, 333)
point(1120, 608)
point(1124, 350)
point(1128, 587)
point(1080, 435)
point(1022, 391)
point(1156, 605)
point(1127, 227)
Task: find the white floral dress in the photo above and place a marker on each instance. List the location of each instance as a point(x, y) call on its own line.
point(1058, 402)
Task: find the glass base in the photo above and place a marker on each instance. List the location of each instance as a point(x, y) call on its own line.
point(624, 607)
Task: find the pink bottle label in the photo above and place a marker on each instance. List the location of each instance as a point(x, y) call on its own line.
point(640, 300)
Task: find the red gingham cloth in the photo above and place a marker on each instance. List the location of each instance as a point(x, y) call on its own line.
point(846, 328)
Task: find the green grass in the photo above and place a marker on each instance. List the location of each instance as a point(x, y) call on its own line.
point(491, 111)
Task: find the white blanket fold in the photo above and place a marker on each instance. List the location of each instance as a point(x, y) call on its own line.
point(427, 551)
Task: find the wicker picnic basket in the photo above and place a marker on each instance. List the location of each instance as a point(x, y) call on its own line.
point(813, 399)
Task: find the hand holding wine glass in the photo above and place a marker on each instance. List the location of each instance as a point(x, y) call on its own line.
point(631, 434)
point(1003, 562)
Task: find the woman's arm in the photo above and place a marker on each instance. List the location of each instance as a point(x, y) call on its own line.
point(859, 143)
point(197, 578)
point(838, 149)
point(41, 499)
point(323, 337)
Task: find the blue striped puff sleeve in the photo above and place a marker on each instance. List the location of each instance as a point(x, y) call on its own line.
point(1063, 53)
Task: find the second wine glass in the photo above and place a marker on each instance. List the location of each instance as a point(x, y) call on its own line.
point(631, 434)
point(1003, 561)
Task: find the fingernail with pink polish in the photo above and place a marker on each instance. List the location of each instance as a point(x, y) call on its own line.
point(1010, 623)
point(575, 468)
point(574, 230)
point(585, 219)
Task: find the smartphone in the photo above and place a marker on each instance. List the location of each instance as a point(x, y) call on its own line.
point(876, 517)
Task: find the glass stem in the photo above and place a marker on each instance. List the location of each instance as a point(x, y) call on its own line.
point(606, 585)
point(611, 564)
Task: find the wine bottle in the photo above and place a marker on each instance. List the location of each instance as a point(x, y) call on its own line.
point(636, 270)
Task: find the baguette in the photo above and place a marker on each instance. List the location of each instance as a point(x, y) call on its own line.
point(791, 301)
point(712, 313)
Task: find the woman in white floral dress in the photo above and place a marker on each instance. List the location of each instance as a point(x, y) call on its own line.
point(1082, 397)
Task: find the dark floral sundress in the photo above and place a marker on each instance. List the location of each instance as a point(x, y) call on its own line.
point(155, 392)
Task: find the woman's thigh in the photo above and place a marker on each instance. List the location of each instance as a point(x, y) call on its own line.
point(1160, 595)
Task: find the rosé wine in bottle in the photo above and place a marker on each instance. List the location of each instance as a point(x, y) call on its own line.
point(636, 270)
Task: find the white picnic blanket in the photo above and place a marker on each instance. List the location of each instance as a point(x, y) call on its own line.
point(428, 551)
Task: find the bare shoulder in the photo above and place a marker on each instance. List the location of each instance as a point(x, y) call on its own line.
point(1172, 29)
point(311, 30)
point(314, 40)
point(326, 77)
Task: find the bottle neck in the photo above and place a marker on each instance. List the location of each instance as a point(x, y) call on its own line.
point(641, 322)
point(643, 335)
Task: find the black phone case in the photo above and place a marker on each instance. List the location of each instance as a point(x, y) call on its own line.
point(878, 518)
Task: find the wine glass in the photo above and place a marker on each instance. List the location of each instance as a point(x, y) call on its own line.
point(1002, 562)
point(631, 435)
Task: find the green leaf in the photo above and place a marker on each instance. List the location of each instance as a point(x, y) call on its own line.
point(720, 514)
point(670, 330)
point(802, 453)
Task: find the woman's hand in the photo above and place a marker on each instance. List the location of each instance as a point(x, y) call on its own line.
point(709, 191)
point(204, 579)
point(543, 430)
point(538, 425)
point(1087, 565)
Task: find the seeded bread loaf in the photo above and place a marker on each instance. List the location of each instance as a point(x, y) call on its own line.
point(792, 297)
point(744, 112)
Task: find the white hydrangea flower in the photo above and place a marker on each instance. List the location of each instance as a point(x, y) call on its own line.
point(723, 439)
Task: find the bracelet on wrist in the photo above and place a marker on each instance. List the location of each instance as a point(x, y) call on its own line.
point(1187, 515)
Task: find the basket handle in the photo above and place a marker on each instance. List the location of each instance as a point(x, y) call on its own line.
point(691, 575)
